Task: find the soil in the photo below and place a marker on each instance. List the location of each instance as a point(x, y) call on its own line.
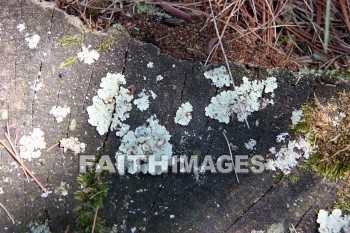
point(189, 42)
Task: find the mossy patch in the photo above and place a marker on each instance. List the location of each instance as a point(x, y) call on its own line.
point(70, 61)
point(340, 74)
point(91, 196)
point(105, 45)
point(327, 127)
point(67, 41)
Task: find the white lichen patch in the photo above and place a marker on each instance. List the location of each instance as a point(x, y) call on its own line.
point(122, 129)
point(21, 27)
point(37, 86)
point(142, 102)
point(333, 222)
point(100, 114)
point(72, 144)
point(62, 190)
point(88, 56)
point(296, 116)
point(154, 95)
point(4, 114)
point(282, 137)
point(184, 114)
point(73, 124)
point(33, 41)
point(122, 107)
point(31, 146)
point(59, 112)
point(150, 65)
point(45, 194)
point(250, 145)
point(39, 228)
point(111, 97)
point(151, 139)
point(287, 157)
point(243, 101)
point(110, 86)
point(159, 78)
point(219, 76)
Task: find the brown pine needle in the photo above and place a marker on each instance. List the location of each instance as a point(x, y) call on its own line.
point(7, 212)
point(229, 148)
point(225, 57)
point(20, 161)
point(53, 146)
point(94, 223)
point(14, 152)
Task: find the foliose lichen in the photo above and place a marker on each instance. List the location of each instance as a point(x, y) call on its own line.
point(243, 100)
point(151, 139)
point(111, 105)
point(31, 146)
point(184, 114)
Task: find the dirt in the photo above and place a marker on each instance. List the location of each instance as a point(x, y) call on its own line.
point(189, 42)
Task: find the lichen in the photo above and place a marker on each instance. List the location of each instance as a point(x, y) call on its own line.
point(61, 189)
point(33, 41)
point(219, 76)
point(72, 144)
point(159, 78)
point(184, 114)
point(21, 27)
point(39, 228)
point(334, 222)
point(88, 56)
point(111, 97)
point(100, 114)
point(142, 102)
point(289, 155)
point(31, 146)
point(243, 101)
point(59, 112)
point(150, 65)
point(250, 145)
point(151, 139)
point(296, 116)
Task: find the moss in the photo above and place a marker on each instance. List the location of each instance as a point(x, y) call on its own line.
point(278, 176)
point(327, 127)
point(343, 201)
point(340, 74)
point(91, 196)
point(106, 45)
point(70, 61)
point(144, 8)
point(66, 41)
point(118, 27)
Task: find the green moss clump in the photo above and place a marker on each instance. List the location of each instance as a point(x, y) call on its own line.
point(338, 73)
point(70, 61)
point(91, 196)
point(328, 128)
point(106, 45)
point(66, 41)
point(343, 202)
